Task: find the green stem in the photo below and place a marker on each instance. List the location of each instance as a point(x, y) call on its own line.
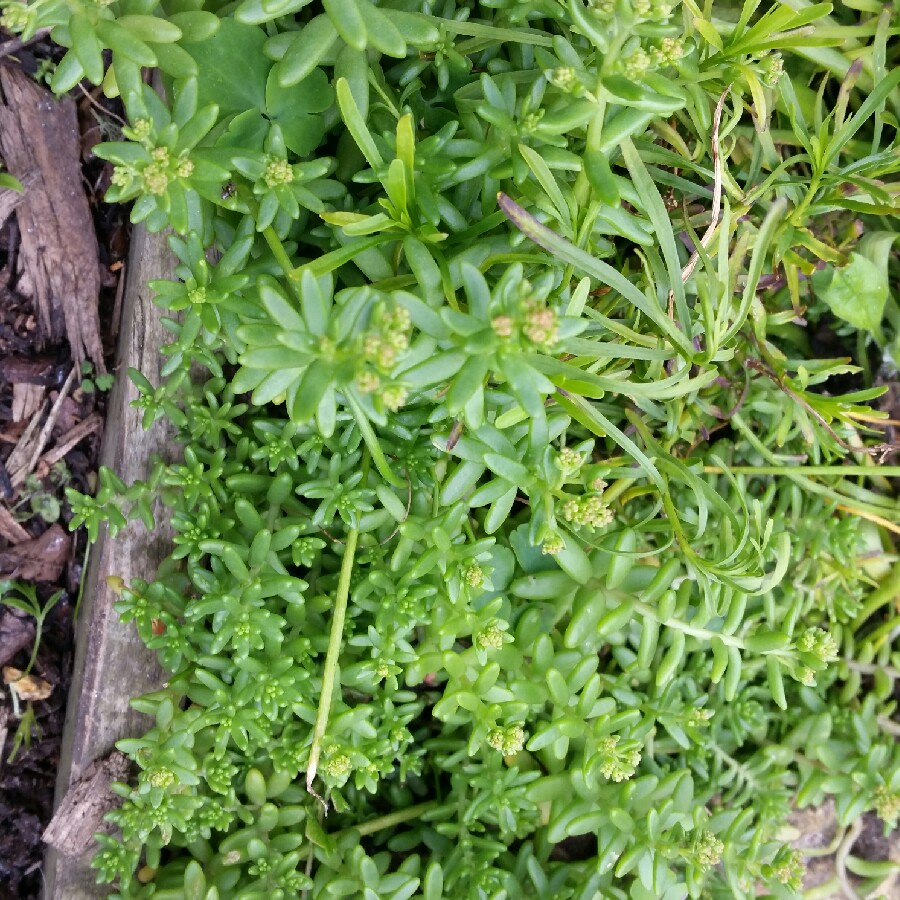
point(704, 634)
point(796, 216)
point(371, 440)
point(329, 676)
point(275, 245)
point(398, 817)
point(887, 591)
point(594, 136)
point(391, 820)
point(871, 668)
point(873, 470)
point(852, 504)
point(280, 255)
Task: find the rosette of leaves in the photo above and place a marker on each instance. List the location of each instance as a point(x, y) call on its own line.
point(138, 34)
point(306, 355)
point(206, 294)
point(161, 167)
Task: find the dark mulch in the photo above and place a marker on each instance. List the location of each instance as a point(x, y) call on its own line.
point(27, 781)
point(29, 757)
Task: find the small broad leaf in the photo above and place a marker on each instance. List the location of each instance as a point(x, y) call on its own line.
point(296, 109)
point(857, 294)
point(232, 68)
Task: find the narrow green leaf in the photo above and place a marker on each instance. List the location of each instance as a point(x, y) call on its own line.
point(562, 249)
point(356, 125)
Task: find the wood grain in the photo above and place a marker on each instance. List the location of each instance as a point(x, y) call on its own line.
point(111, 663)
point(41, 146)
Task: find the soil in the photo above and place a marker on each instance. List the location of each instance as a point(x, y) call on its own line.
point(40, 381)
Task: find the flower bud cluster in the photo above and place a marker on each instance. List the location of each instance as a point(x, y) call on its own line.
point(382, 346)
point(16, 18)
point(589, 511)
point(155, 176)
point(707, 850)
point(553, 545)
point(618, 763)
point(278, 173)
point(538, 325)
point(771, 68)
point(509, 740)
point(819, 644)
point(887, 805)
point(788, 869)
point(490, 637)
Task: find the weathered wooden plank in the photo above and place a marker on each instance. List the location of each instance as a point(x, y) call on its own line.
point(111, 663)
point(41, 146)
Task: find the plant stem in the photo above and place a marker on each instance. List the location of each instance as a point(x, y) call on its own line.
point(871, 668)
point(796, 217)
point(397, 817)
point(373, 826)
point(335, 640)
point(704, 634)
point(873, 470)
point(851, 504)
point(888, 590)
point(280, 255)
point(371, 440)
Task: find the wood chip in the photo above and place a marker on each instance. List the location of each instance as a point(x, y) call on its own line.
point(68, 418)
point(72, 828)
point(18, 459)
point(11, 529)
point(29, 449)
point(45, 371)
point(26, 401)
point(94, 422)
point(58, 257)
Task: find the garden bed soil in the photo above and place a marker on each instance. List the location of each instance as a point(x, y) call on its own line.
point(62, 254)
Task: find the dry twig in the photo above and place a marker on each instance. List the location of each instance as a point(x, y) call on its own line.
point(25, 456)
point(718, 176)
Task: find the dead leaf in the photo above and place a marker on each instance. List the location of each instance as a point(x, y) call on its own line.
point(16, 633)
point(27, 687)
point(40, 559)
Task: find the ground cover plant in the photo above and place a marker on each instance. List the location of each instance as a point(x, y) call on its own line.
point(530, 540)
